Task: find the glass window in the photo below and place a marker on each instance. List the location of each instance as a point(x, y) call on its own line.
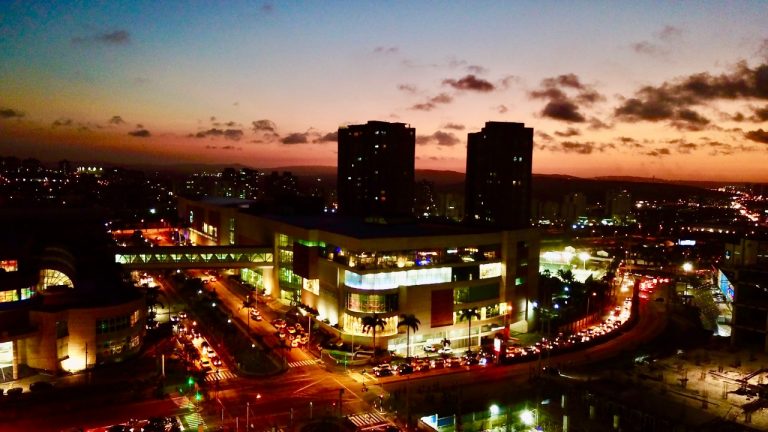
point(490, 270)
point(9, 296)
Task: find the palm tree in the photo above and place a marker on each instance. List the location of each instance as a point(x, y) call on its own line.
point(371, 322)
point(411, 323)
point(468, 314)
point(248, 303)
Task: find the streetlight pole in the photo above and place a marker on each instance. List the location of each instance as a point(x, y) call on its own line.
point(588, 298)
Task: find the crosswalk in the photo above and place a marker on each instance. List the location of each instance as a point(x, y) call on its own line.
point(367, 419)
point(304, 363)
point(192, 419)
point(219, 375)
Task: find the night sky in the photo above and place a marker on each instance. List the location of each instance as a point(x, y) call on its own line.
point(675, 90)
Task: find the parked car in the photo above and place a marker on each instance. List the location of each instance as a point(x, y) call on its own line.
point(278, 323)
point(404, 369)
point(437, 363)
point(430, 348)
point(382, 370)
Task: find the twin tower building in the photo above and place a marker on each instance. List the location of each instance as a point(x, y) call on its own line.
point(376, 172)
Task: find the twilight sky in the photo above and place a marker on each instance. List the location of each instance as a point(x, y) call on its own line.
point(675, 90)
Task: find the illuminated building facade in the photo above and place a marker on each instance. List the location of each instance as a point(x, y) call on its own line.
point(498, 181)
point(348, 269)
point(375, 176)
point(62, 308)
point(743, 278)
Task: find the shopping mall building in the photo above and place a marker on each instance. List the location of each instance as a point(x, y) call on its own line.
point(348, 269)
point(62, 308)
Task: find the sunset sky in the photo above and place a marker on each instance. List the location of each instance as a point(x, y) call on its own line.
point(674, 90)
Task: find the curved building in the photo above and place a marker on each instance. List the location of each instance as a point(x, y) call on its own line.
point(63, 303)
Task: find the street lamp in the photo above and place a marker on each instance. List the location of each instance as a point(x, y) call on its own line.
point(687, 267)
point(526, 416)
point(584, 257)
point(588, 298)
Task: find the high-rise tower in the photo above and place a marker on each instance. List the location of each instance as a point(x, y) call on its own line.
point(375, 171)
point(498, 182)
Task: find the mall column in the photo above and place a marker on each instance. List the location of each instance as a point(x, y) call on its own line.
point(15, 354)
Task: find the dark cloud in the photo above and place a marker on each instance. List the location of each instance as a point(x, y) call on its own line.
point(264, 125)
point(688, 119)
point(296, 138)
point(561, 105)
point(759, 135)
point(660, 46)
point(62, 122)
point(501, 109)
point(563, 110)
point(432, 103)
point(568, 133)
point(407, 88)
point(267, 8)
point(116, 120)
point(454, 126)
point(672, 101)
point(6, 113)
point(760, 114)
point(444, 139)
point(385, 50)
point(231, 147)
point(629, 142)
point(597, 124)
point(230, 134)
point(330, 137)
point(567, 80)
point(470, 83)
point(544, 136)
point(423, 139)
point(140, 133)
point(117, 37)
point(658, 152)
point(577, 147)
point(686, 147)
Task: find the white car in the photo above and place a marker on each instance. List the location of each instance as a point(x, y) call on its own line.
point(445, 350)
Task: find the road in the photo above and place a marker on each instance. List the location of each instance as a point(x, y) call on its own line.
point(310, 390)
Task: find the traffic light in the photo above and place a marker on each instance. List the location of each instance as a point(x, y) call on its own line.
point(190, 381)
point(198, 397)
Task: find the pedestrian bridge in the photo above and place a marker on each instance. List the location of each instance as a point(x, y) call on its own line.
point(181, 257)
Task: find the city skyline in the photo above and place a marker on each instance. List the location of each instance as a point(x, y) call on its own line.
point(628, 89)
